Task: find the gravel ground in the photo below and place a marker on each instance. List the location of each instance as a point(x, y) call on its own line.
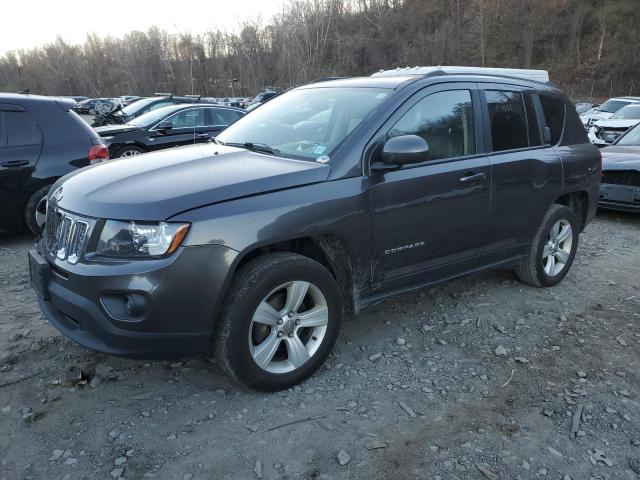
point(480, 379)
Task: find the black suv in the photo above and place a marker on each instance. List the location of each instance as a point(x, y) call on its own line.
point(142, 106)
point(167, 127)
point(327, 199)
point(41, 139)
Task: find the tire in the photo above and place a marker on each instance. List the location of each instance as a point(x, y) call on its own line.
point(31, 208)
point(537, 269)
point(128, 151)
point(240, 341)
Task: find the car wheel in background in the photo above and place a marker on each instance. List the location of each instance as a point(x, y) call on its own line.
point(128, 151)
point(35, 210)
point(281, 319)
point(552, 250)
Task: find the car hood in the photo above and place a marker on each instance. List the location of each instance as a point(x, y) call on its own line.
point(616, 123)
point(620, 158)
point(114, 129)
point(156, 186)
point(595, 116)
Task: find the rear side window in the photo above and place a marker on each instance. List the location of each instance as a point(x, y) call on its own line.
point(444, 120)
point(223, 117)
point(21, 129)
point(553, 109)
point(508, 120)
point(188, 118)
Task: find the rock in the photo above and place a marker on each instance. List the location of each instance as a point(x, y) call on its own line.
point(554, 452)
point(257, 469)
point(117, 472)
point(442, 342)
point(525, 465)
point(401, 341)
point(71, 461)
point(375, 356)
point(501, 351)
point(343, 457)
point(542, 472)
point(56, 455)
point(187, 476)
point(115, 433)
point(581, 374)
point(375, 444)
point(118, 462)
point(409, 411)
point(521, 360)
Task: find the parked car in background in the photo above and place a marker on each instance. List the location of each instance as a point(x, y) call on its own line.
point(125, 100)
point(76, 98)
point(144, 105)
point(267, 236)
point(261, 98)
point(620, 188)
point(583, 107)
point(167, 127)
point(41, 139)
point(605, 132)
point(85, 107)
point(606, 110)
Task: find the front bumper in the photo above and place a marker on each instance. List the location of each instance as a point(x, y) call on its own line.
point(623, 198)
point(181, 297)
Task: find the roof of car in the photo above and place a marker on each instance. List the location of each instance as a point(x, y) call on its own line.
point(24, 99)
point(628, 99)
point(183, 106)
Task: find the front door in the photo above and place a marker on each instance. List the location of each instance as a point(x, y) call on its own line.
point(182, 132)
point(430, 218)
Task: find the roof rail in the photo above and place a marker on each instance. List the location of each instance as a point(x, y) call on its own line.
point(324, 79)
point(194, 96)
point(26, 91)
point(170, 95)
point(526, 74)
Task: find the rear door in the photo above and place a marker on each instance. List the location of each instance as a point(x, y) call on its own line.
point(20, 146)
point(430, 218)
point(526, 173)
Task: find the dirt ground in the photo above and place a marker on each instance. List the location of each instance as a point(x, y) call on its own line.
point(480, 379)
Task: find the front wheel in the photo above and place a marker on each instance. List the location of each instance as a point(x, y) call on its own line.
point(552, 250)
point(281, 320)
point(129, 151)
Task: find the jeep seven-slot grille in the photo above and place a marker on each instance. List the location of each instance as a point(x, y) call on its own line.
point(621, 177)
point(65, 234)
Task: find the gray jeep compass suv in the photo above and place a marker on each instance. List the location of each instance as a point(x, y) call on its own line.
point(327, 199)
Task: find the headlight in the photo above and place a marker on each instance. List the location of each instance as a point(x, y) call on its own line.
point(140, 239)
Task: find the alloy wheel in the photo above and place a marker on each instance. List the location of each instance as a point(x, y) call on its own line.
point(557, 249)
point(288, 327)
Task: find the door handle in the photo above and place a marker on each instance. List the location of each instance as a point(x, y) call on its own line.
point(15, 163)
point(473, 177)
point(202, 135)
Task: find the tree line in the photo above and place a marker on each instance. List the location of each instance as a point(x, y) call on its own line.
point(588, 46)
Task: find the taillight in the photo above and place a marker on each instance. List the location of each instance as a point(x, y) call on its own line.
point(98, 153)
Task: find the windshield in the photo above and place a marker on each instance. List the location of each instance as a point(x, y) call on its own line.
point(306, 123)
point(139, 105)
point(611, 106)
point(632, 137)
point(150, 118)
point(630, 112)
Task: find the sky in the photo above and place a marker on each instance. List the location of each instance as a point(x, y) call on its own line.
point(33, 23)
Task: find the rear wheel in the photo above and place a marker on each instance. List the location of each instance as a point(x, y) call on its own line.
point(552, 250)
point(128, 151)
point(281, 320)
point(35, 210)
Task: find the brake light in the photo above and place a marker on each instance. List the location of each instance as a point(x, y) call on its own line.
point(98, 153)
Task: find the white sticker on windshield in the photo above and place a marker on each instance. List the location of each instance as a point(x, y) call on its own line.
point(319, 150)
point(323, 159)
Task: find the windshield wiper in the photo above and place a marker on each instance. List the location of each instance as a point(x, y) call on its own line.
point(254, 147)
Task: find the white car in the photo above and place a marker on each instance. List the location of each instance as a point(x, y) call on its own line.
point(605, 132)
point(606, 110)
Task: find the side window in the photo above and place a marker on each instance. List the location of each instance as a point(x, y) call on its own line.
point(554, 113)
point(444, 120)
point(188, 118)
point(224, 117)
point(3, 131)
point(532, 122)
point(21, 129)
point(508, 121)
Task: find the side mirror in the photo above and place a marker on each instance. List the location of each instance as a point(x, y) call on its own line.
point(405, 149)
point(610, 138)
point(164, 126)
